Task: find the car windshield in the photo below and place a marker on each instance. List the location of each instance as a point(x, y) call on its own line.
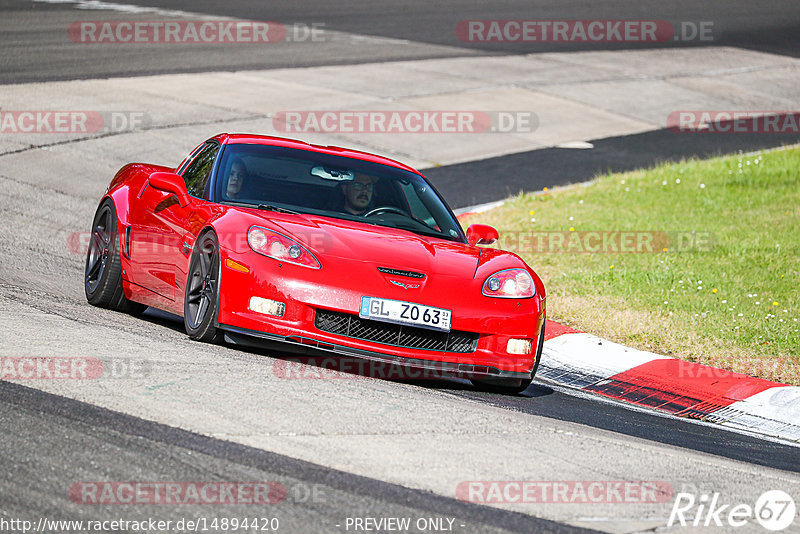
point(303, 181)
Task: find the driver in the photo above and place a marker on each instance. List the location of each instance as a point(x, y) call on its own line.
point(358, 194)
point(236, 178)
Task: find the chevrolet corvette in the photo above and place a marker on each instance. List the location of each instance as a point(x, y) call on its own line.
point(258, 240)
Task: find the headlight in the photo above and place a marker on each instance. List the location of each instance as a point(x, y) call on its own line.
point(509, 284)
point(279, 247)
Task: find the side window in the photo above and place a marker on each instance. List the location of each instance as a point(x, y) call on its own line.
point(198, 172)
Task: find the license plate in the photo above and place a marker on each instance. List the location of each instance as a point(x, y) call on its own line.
point(397, 311)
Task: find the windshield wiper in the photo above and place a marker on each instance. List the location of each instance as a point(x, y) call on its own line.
point(272, 207)
point(417, 230)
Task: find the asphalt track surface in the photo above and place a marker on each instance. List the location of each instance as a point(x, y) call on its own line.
point(316, 499)
point(36, 46)
point(51, 441)
point(534, 170)
point(745, 24)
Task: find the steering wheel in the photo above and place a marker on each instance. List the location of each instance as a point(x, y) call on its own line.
point(385, 209)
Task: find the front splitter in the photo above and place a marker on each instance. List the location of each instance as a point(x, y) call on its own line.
point(309, 346)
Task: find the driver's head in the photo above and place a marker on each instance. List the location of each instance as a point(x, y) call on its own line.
point(358, 193)
point(236, 178)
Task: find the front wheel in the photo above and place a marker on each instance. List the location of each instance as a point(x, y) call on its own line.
point(511, 386)
point(202, 286)
point(102, 281)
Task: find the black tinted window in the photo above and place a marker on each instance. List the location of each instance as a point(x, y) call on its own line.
point(198, 172)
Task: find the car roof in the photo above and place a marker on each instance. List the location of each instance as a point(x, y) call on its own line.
point(255, 139)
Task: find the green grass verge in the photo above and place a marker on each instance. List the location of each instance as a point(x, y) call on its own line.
point(717, 275)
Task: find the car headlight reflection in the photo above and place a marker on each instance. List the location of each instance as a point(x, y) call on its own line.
point(279, 247)
point(509, 284)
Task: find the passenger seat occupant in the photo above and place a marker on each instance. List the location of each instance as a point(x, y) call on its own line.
point(236, 178)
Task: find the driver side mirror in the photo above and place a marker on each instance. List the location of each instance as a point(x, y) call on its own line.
point(171, 183)
point(481, 234)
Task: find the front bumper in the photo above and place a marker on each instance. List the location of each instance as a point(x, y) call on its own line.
point(243, 336)
point(307, 292)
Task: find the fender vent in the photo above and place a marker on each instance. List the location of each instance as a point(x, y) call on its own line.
point(127, 250)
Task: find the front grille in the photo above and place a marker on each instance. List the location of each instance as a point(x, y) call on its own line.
point(412, 337)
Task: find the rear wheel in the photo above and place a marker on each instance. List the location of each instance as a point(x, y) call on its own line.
point(103, 271)
point(200, 300)
point(512, 386)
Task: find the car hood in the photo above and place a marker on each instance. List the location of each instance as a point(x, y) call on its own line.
point(335, 239)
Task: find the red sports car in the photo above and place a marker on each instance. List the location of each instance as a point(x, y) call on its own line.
point(262, 239)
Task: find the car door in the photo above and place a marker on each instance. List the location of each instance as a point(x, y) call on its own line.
point(159, 227)
point(185, 223)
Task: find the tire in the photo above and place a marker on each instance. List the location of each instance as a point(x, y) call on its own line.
point(511, 386)
point(102, 281)
point(201, 295)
